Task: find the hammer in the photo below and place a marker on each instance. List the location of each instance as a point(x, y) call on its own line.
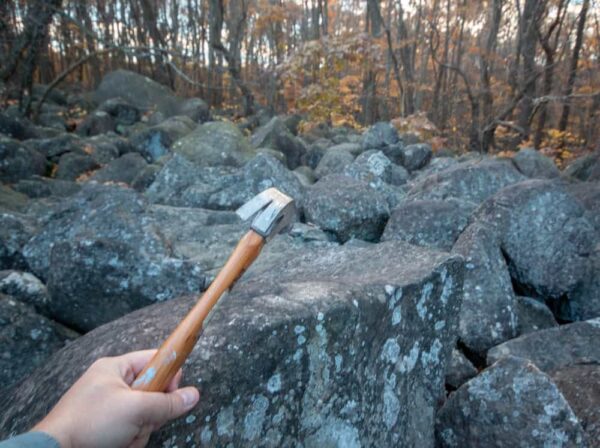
point(272, 211)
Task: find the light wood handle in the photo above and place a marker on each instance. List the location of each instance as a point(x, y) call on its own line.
point(174, 351)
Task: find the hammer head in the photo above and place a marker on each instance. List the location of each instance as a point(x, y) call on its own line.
point(272, 210)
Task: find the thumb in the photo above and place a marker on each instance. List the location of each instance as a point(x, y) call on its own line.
point(157, 408)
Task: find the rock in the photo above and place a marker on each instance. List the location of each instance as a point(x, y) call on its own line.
point(399, 175)
point(380, 135)
point(257, 175)
point(434, 224)
point(588, 194)
point(347, 208)
point(533, 315)
point(41, 187)
point(98, 122)
point(55, 95)
point(353, 148)
point(554, 348)
point(333, 162)
point(417, 156)
point(292, 122)
point(305, 175)
point(544, 236)
point(18, 161)
point(16, 127)
point(106, 147)
point(436, 165)
point(15, 230)
point(53, 148)
point(579, 385)
point(195, 109)
point(511, 403)
point(488, 315)
point(154, 142)
point(584, 302)
point(25, 288)
point(12, 200)
point(344, 353)
point(124, 169)
point(314, 154)
point(26, 340)
point(371, 167)
point(585, 168)
point(145, 177)
point(123, 113)
point(273, 153)
point(473, 181)
point(52, 121)
point(459, 371)
point(138, 90)
point(103, 256)
point(532, 163)
point(276, 135)
point(72, 165)
point(215, 143)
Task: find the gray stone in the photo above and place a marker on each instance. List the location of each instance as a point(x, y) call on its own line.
point(156, 141)
point(417, 156)
point(15, 230)
point(16, 127)
point(305, 175)
point(54, 147)
point(380, 135)
point(584, 302)
point(314, 154)
point(347, 208)
point(534, 164)
point(333, 162)
point(459, 371)
point(72, 165)
point(544, 236)
point(371, 167)
point(588, 194)
point(326, 350)
point(554, 348)
point(195, 109)
point(435, 224)
point(41, 187)
point(17, 161)
point(103, 256)
point(138, 90)
point(512, 404)
point(489, 314)
point(98, 122)
point(579, 385)
point(124, 169)
point(585, 168)
point(473, 181)
point(399, 175)
point(353, 148)
point(12, 200)
point(121, 110)
point(27, 340)
point(217, 143)
point(145, 177)
point(276, 135)
point(25, 288)
point(533, 315)
point(106, 147)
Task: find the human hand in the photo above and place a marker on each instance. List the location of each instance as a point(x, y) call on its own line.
point(101, 409)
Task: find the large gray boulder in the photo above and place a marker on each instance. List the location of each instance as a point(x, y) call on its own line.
point(373, 168)
point(380, 135)
point(416, 156)
point(544, 235)
point(533, 315)
point(489, 313)
point(138, 90)
point(337, 347)
point(434, 224)
point(18, 161)
point(102, 257)
point(41, 187)
point(72, 165)
point(584, 301)
point(214, 144)
point(347, 208)
point(15, 231)
point(195, 109)
point(554, 348)
point(156, 141)
point(124, 169)
point(510, 404)
point(27, 340)
point(460, 370)
point(588, 194)
point(121, 110)
point(26, 288)
point(585, 168)
point(534, 164)
point(473, 181)
point(98, 122)
point(276, 135)
point(334, 161)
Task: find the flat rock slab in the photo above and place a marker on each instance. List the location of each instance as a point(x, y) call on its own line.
point(336, 347)
point(554, 348)
point(510, 404)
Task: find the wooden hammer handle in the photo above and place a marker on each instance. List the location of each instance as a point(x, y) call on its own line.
point(174, 351)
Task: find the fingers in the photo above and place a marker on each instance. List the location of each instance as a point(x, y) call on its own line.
point(158, 408)
point(174, 384)
point(131, 364)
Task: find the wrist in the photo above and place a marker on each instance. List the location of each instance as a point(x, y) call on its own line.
point(60, 435)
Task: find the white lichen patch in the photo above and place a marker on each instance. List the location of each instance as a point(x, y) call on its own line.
point(391, 407)
point(390, 351)
point(409, 361)
point(255, 418)
point(397, 315)
point(274, 383)
point(225, 422)
point(447, 289)
point(422, 303)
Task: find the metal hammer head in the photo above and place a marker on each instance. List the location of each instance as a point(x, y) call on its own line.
point(274, 211)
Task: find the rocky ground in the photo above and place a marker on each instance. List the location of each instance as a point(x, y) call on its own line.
point(420, 299)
